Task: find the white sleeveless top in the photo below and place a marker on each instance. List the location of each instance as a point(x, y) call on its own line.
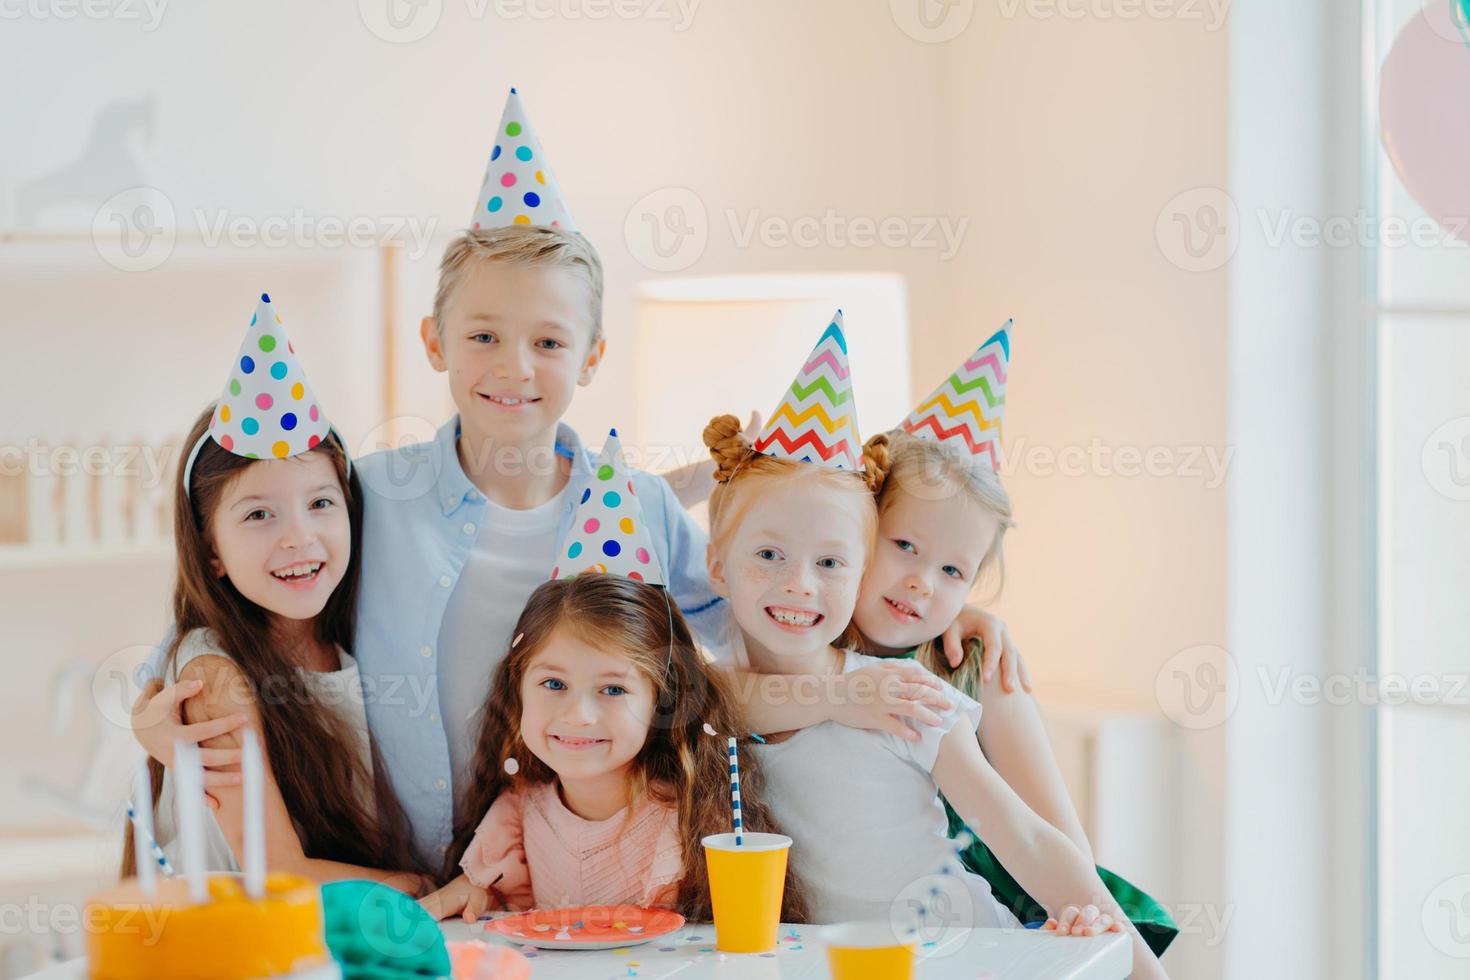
point(339, 690)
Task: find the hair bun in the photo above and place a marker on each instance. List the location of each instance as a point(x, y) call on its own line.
point(877, 460)
point(727, 444)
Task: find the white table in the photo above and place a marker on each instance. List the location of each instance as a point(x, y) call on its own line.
point(974, 954)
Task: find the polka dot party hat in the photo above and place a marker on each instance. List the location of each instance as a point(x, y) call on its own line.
point(967, 410)
point(519, 187)
point(609, 532)
point(817, 421)
point(267, 410)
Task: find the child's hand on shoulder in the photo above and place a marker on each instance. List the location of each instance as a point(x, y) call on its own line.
point(158, 722)
point(999, 650)
point(879, 696)
point(459, 896)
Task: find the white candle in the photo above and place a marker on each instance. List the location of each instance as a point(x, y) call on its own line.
point(189, 802)
point(143, 829)
point(254, 777)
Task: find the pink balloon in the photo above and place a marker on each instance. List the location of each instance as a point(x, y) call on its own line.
point(1424, 113)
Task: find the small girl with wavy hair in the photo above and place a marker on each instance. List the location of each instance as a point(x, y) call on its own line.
point(596, 773)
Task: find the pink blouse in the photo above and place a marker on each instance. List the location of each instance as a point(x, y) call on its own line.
point(551, 857)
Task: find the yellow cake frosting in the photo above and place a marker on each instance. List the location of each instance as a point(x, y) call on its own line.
point(133, 936)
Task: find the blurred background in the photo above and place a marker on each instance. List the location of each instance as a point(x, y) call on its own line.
point(1232, 235)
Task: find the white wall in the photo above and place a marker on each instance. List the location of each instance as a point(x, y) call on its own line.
point(1059, 141)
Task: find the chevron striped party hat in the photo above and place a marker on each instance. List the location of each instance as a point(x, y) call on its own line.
point(967, 410)
point(609, 532)
point(519, 187)
point(817, 421)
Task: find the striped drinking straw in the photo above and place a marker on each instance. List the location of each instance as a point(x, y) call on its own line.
point(735, 791)
point(158, 856)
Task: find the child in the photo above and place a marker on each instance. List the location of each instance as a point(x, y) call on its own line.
point(595, 777)
point(942, 518)
point(791, 529)
point(266, 520)
point(459, 531)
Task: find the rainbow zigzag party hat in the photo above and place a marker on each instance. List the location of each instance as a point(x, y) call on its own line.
point(817, 421)
point(968, 408)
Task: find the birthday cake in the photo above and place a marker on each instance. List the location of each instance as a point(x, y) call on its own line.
point(165, 936)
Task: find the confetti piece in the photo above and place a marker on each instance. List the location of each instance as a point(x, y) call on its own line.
point(512, 766)
point(757, 738)
point(709, 730)
point(635, 928)
point(518, 639)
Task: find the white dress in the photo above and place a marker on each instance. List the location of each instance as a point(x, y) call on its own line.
point(869, 834)
point(339, 690)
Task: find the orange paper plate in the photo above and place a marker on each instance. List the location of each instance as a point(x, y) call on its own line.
point(586, 926)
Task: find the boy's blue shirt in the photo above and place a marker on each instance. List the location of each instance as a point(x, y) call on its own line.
point(421, 515)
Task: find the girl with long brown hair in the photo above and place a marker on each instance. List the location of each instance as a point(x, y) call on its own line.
point(601, 761)
point(267, 524)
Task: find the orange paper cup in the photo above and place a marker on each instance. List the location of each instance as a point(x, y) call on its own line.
point(868, 951)
point(746, 884)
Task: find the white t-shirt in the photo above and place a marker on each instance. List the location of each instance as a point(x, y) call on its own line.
point(336, 690)
point(499, 575)
point(868, 830)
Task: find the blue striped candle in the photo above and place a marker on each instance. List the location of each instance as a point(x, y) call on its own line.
point(735, 790)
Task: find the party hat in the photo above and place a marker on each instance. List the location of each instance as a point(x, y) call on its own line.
point(267, 410)
point(967, 410)
point(519, 187)
point(817, 421)
point(609, 532)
